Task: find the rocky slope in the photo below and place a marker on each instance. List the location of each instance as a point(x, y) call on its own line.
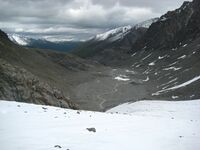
point(39, 76)
point(18, 84)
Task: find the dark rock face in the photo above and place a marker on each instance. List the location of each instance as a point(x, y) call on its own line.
point(172, 29)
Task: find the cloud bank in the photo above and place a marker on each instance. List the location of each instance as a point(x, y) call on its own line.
point(76, 19)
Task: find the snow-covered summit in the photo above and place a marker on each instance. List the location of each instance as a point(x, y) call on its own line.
point(114, 34)
point(146, 24)
point(19, 39)
point(120, 32)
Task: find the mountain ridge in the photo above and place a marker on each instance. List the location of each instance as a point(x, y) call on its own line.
point(42, 43)
point(171, 30)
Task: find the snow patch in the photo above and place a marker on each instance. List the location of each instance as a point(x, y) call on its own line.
point(20, 40)
point(133, 54)
point(147, 56)
point(122, 78)
point(114, 34)
point(172, 68)
point(130, 71)
point(178, 86)
point(182, 57)
point(184, 45)
point(146, 24)
point(147, 79)
point(175, 97)
point(158, 124)
point(163, 18)
point(161, 57)
point(152, 64)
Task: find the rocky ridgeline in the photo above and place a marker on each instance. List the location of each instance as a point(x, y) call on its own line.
point(172, 29)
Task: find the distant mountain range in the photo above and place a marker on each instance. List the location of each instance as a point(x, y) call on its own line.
point(43, 43)
point(111, 36)
point(38, 76)
point(122, 37)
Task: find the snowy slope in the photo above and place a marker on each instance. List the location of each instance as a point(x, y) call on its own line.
point(119, 33)
point(20, 40)
point(114, 34)
point(149, 126)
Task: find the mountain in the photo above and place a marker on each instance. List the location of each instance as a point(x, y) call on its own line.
point(20, 40)
point(173, 29)
point(101, 47)
point(120, 33)
point(62, 46)
point(38, 76)
point(166, 55)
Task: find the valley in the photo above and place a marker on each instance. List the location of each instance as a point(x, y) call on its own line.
point(150, 60)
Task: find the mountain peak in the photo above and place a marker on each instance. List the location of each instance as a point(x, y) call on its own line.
point(114, 34)
point(120, 32)
point(18, 39)
point(172, 28)
point(146, 24)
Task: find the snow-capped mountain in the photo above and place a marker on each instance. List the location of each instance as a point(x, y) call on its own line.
point(120, 32)
point(43, 43)
point(114, 34)
point(122, 38)
point(19, 39)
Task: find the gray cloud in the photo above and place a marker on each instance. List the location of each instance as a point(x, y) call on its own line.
point(76, 19)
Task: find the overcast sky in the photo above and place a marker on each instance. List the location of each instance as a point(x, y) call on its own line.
point(77, 19)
